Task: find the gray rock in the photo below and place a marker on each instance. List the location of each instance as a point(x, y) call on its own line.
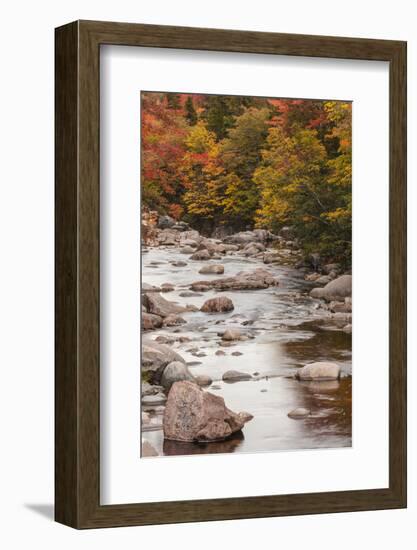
point(347, 329)
point(192, 414)
point(203, 380)
point(165, 222)
point(175, 372)
point(319, 371)
point(180, 263)
point(335, 290)
point(235, 376)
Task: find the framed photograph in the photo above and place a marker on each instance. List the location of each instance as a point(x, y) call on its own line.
point(230, 274)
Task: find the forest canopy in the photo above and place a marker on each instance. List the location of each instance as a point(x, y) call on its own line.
point(240, 163)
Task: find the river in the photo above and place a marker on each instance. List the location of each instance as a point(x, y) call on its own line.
point(287, 329)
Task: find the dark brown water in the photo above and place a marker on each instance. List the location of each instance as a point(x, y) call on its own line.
point(290, 330)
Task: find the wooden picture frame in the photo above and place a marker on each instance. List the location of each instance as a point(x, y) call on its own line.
point(77, 383)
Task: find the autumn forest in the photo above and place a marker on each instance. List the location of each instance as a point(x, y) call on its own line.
point(230, 163)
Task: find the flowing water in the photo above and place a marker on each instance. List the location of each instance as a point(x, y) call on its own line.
point(286, 330)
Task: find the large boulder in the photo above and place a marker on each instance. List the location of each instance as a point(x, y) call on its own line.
point(158, 305)
point(192, 414)
point(212, 269)
point(175, 372)
point(338, 289)
point(151, 321)
point(319, 371)
point(219, 304)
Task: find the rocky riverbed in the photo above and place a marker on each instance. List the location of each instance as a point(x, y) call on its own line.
point(244, 320)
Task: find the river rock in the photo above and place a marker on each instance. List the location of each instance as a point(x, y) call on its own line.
point(219, 304)
point(323, 280)
point(146, 287)
point(190, 235)
point(167, 237)
point(215, 269)
point(223, 248)
point(299, 413)
point(179, 263)
point(151, 400)
point(151, 321)
point(319, 371)
point(231, 334)
point(347, 329)
point(259, 278)
point(335, 290)
point(203, 380)
point(201, 255)
point(192, 414)
point(235, 376)
point(167, 287)
point(158, 305)
point(175, 372)
point(189, 242)
point(189, 294)
point(181, 226)
point(150, 389)
point(155, 357)
point(173, 320)
point(340, 307)
point(165, 222)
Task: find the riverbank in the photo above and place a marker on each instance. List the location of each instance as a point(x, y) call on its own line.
point(280, 329)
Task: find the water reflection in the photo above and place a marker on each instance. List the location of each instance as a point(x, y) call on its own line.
point(229, 445)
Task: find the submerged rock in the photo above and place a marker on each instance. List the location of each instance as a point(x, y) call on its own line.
point(319, 371)
point(215, 269)
point(192, 414)
point(299, 413)
point(235, 376)
point(219, 304)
